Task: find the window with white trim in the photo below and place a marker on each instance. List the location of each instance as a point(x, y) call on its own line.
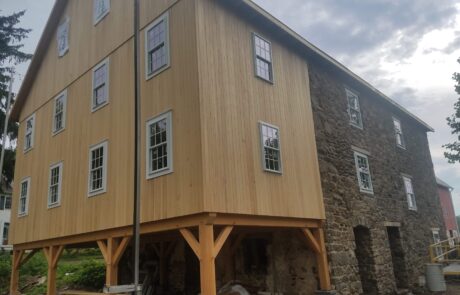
point(354, 109)
point(100, 9)
point(55, 185)
point(97, 176)
point(63, 37)
point(398, 133)
point(263, 58)
point(100, 85)
point(59, 115)
point(29, 133)
point(363, 173)
point(159, 145)
point(6, 230)
point(271, 148)
point(5, 202)
point(24, 197)
point(157, 46)
point(411, 203)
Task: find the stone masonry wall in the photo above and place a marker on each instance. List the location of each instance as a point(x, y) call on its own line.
point(346, 207)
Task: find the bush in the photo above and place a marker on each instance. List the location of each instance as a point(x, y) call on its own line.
point(5, 268)
point(88, 275)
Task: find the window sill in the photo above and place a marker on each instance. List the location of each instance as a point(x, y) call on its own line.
point(54, 133)
point(149, 76)
point(367, 192)
point(274, 171)
point(96, 193)
point(22, 215)
point(94, 109)
point(163, 172)
point(356, 126)
point(28, 150)
point(265, 80)
point(401, 147)
point(55, 205)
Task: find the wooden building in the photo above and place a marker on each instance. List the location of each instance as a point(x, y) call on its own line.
point(228, 143)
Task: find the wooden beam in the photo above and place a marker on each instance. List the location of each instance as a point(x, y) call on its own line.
point(27, 258)
point(224, 234)
point(120, 250)
point(311, 241)
point(52, 254)
point(191, 241)
point(14, 279)
point(103, 247)
point(265, 221)
point(321, 260)
point(207, 260)
point(58, 251)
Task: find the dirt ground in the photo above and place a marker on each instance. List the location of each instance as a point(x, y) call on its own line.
point(453, 288)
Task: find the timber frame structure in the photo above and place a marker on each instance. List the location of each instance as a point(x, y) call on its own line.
point(214, 231)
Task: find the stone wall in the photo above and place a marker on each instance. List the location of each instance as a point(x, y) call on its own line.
point(346, 207)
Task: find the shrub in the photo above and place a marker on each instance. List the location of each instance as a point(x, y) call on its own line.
point(88, 275)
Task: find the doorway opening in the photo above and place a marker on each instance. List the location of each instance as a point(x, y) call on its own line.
point(365, 259)
point(397, 257)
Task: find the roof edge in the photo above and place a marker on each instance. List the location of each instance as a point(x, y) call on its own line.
point(256, 8)
point(40, 51)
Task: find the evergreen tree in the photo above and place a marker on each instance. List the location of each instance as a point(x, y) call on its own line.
point(10, 53)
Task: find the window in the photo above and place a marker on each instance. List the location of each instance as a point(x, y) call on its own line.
point(24, 197)
point(354, 109)
point(399, 133)
point(157, 46)
point(159, 146)
point(101, 8)
point(5, 202)
point(6, 229)
point(271, 149)
point(55, 184)
point(59, 115)
point(29, 134)
point(97, 169)
point(63, 38)
point(409, 193)
point(100, 85)
point(363, 172)
point(263, 58)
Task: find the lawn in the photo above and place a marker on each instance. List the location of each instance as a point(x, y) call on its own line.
point(84, 269)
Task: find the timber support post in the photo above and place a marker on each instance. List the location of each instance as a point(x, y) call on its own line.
point(18, 260)
point(52, 254)
point(207, 249)
point(316, 242)
point(112, 250)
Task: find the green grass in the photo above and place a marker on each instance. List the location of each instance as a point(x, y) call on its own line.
point(84, 269)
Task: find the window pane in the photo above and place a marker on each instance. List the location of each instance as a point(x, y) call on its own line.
point(270, 139)
point(8, 202)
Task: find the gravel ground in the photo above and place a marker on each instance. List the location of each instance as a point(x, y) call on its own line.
point(453, 288)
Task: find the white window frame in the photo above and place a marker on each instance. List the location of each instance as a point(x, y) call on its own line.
point(363, 189)
point(262, 147)
point(59, 165)
point(105, 62)
point(27, 196)
point(64, 26)
point(255, 57)
point(62, 95)
point(400, 133)
point(98, 18)
point(103, 189)
point(165, 18)
point(352, 92)
point(32, 133)
point(150, 174)
point(409, 206)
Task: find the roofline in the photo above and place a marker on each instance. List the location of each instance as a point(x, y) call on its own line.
point(444, 184)
point(60, 5)
point(256, 8)
point(42, 46)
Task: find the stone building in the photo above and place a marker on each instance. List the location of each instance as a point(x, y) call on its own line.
point(379, 227)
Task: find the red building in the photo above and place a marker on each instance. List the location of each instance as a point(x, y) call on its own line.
point(445, 196)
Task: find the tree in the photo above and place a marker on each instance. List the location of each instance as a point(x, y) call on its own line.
point(453, 155)
point(10, 53)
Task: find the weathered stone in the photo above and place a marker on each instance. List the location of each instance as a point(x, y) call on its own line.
point(346, 207)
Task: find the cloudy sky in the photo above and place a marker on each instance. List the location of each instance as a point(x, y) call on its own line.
point(407, 49)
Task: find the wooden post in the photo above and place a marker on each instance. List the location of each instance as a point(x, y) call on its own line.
point(52, 254)
point(207, 250)
point(112, 250)
point(207, 261)
point(14, 283)
point(321, 260)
